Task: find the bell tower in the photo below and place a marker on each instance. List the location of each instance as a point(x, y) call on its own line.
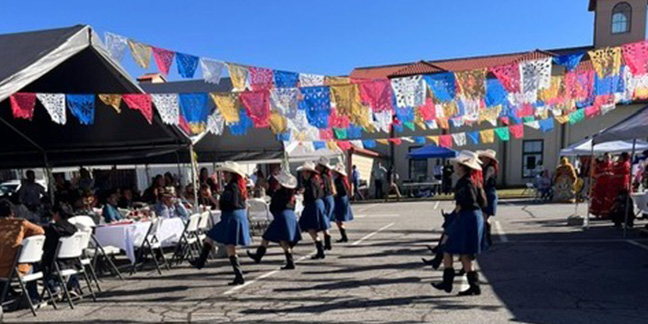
point(618, 21)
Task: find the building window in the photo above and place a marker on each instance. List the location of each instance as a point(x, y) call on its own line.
point(531, 157)
point(418, 168)
point(621, 18)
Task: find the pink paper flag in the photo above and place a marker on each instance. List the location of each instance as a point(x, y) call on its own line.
point(257, 104)
point(141, 102)
point(509, 76)
point(592, 111)
point(636, 57)
point(163, 58)
point(445, 141)
point(428, 111)
point(261, 78)
point(377, 94)
point(344, 145)
point(22, 104)
point(326, 134)
point(517, 130)
point(396, 141)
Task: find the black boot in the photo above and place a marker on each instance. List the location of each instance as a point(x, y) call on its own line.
point(473, 281)
point(489, 238)
point(327, 242)
point(261, 251)
point(436, 262)
point(448, 278)
point(320, 251)
point(290, 262)
point(238, 272)
point(344, 238)
point(200, 262)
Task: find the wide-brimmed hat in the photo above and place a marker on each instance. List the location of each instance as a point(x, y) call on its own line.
point(168, 192)
point(287, 180)
point(307, 166)
point(469, 159)
point(231, 167)
point(491, 154)
point(340, 169)
point(325, 162)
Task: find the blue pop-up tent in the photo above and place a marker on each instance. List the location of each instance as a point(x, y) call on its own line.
point(432, 152)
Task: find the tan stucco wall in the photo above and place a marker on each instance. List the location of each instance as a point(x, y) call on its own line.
point(603, 19)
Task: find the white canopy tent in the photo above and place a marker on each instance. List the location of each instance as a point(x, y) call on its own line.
point(584, 147)
point(304, 151)
point(634, 126)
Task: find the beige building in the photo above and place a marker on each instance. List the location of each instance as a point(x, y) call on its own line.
point(616, 22)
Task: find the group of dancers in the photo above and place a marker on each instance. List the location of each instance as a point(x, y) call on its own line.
point(466, 230)
point(325, 190)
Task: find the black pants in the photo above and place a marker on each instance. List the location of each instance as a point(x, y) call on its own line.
point(379, 189)
point(447, 185)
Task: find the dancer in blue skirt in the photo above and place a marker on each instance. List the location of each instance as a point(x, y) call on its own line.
point(324, 168)
point(313, 218)
point(465, 233)
point(233, 228)
point(490, 167)
point(284, 228)
point(342, 211)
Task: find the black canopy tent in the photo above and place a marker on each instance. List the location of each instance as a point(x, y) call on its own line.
point(73, 60)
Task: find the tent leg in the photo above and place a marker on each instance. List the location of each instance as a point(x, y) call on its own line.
point(179, 170)
point(50, 179)
point(591, 185)
point(193, 176)
point(628, 200)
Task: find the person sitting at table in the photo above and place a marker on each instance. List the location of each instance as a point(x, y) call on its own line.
point(206, 198)
point(60, 227)
point(188, 194)
point(169, 206)
point(126, 198)
point(152, 193)
point(110, 212)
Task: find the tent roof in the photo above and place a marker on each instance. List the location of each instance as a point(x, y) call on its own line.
point(432, 152)
point(258, 144)
point(72, 60)
point(584, 147)
point(633, 126)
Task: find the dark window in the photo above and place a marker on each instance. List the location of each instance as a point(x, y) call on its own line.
point(531, 157)
point(418, 168)
point(621, 18)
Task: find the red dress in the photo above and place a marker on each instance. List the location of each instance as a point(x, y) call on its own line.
point(620, 177)
point(602, 196)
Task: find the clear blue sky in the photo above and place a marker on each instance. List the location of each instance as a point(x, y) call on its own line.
point(326, 37)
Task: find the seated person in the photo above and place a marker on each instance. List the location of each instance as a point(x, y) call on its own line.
point(543, 184)
point(12, 232)
point(126, 200)
point(110, 212)
point(169, 206)
point(60, 227)
point(622, 204)
point(206, 198)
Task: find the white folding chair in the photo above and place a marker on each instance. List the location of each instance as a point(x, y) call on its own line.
point(187, 243)
point(203, 225)
point(30, 251)
point(71, 249)
point(96, 250)
point(85, 261)
point(259, 215)
point(150, 245)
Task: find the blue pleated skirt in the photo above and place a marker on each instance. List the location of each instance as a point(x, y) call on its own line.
point(466, 233)
point(232, 229)
point(329, 206)
point(314, 217)
point(284, 227)
point(342, 210)
point(491, 202)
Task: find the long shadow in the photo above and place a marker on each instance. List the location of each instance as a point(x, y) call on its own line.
point(371, 267)
point(350, 284)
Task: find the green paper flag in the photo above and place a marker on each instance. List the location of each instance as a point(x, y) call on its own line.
point(340, 133)
point(528, 119)
point(503, 133)
point(409, 125)
point(577, 116)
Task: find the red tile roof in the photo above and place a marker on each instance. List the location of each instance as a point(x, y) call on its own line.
point(421, 67)
point(377, 72)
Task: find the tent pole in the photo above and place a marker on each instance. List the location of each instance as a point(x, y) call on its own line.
point(179, 169)
point(22, 135)
point(628, 200)
point(50, 179)
point(193, 176)
point(591, 184)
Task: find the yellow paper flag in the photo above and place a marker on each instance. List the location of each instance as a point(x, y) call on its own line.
point(228, 104)
point(383, 141)
point(434, 139)
point(331, 145)
point(277, 122)
point(112, 100)
point(562, 119)
point(238, 74)
point(333, 80)
point(487, 136)
point(606, 61)
point(141, 53)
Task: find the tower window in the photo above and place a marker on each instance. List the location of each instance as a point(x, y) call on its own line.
point(621, 16)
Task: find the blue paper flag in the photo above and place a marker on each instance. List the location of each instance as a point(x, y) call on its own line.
point(419, 140)
point(442, 85)
point(398, 128)
point(354, 132)
point(187, 65)
point(546, 124)
point(241, 127)
point(570, 61)
point(316, 101)
point(473, 136)
point(194, 108)
point(369, 143)
point(82, 107)
point(496, 94)
point(608, 85)
point(405, 115)
point(283, 79)
point(319, 145)
point(284, 137)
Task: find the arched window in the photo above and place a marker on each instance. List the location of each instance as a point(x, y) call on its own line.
point(621, 16)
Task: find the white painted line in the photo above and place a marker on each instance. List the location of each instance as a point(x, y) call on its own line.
point(372, 234)
point(500, 232)
point(637, 244)
point(363, 209)
point(376, 215)
point(577, 241)
point(436, 205)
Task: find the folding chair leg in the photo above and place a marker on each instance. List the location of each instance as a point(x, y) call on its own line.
point(113, 267)
point(164, 260)
point(63, 283)
point(87, 280)
point(93, 276)
point(26, 295)
point(157, 265)
point(5, 291)
point(50, 295)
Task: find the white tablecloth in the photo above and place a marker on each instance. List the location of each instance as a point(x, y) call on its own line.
point(641, 200)
point(129, 236)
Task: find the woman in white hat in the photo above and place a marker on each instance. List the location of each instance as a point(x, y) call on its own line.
point(342, 211)
point(464, 235)
point(490, 169)
point(324, 168)
point(313, 218)
point(233, 229)
point(284, 228)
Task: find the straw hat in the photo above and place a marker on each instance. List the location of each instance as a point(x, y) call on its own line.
point(287, 180)
point(168, 192)
point(340, 169)
point(325, 162)
point(491, 154)
point(231, 167)
point(469, 159)
point(307, 166)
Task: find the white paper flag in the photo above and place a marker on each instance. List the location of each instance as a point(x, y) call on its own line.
point(310, 80)
point(216, 123)
point(116, 45)
point(459, 139)
point(54, 103)
point(167, 106)
point(212, 70)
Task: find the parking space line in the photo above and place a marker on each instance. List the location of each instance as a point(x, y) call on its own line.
point(363, 209)
point(373, 233)
point(500, 232)
point(436, 205)
point(376, 215)
point(637, 244)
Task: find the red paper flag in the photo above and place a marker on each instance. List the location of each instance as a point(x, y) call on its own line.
point(377, 94)
point(22, 104)
point(427, 110)
point(338, 121)
point(163, 58)
point(326, 134)
point(261, 78)
point(517, 130)
point(396, 141)
point(525, 111)
point(344, 145)
point(505, 120)
point(184, 125)
point(257, 104)
point(141, 102)
point(592, 111)
point(445, 141)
